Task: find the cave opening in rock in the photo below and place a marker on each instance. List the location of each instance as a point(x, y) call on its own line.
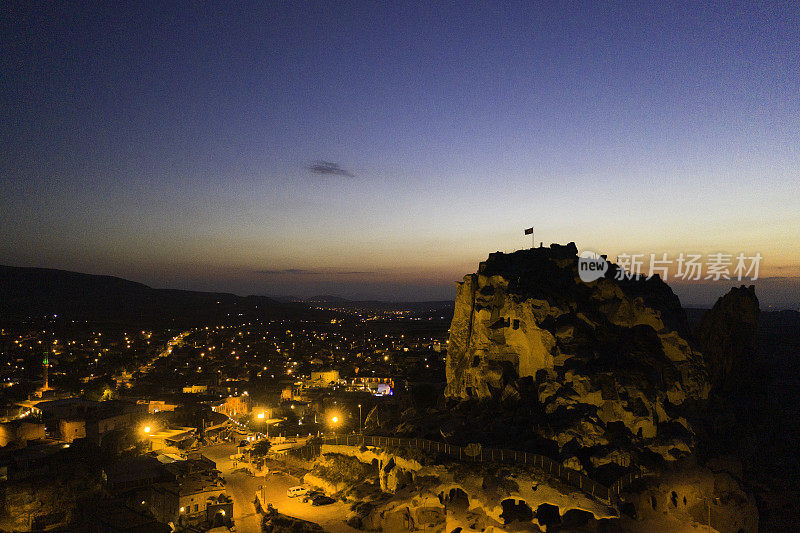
point(501, 322)
point(653, 502)
point(513, 510)
point(674, 498)
point(575, 518)
point(548, 515)
point(456, 500)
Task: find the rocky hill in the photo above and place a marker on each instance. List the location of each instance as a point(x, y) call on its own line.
point(602, 376)
point(31, 293)
point(600, 355)
point(728, 335)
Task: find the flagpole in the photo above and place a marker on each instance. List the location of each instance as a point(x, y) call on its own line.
point(529, 231)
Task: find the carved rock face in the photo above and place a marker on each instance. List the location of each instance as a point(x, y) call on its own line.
point(594, 356)
point(494, 340)
point(529, 311)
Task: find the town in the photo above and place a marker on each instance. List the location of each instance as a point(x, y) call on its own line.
point(160, 428)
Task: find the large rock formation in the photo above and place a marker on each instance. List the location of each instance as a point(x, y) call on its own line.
point(596, 357)
point(529, 311)
point(727, 335)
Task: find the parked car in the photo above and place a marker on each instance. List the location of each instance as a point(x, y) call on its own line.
point(310, 495)
point(322, 500)
point(293, 492)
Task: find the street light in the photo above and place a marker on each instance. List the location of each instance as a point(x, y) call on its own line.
point(147, 429)
point(359, 419)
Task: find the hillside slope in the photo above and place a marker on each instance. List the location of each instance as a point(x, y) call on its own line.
point(31, 293)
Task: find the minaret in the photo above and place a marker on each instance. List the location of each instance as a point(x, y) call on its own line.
point(46, 365)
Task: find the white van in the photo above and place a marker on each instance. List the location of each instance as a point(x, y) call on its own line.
point(293, 492)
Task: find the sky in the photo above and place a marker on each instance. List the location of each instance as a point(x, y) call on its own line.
point(381, 150)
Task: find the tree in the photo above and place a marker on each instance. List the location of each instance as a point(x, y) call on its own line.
point(261, 448)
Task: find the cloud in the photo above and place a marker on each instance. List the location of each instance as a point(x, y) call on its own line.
point(326, 168)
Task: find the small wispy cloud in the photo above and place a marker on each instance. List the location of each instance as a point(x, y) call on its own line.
point(327, 168)
point(285, 271)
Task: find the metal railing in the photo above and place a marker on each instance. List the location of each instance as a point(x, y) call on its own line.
point(494, 455)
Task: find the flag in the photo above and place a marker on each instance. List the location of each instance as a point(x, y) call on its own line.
point(529, 231)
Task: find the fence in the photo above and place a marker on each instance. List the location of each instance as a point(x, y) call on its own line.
point(494, 455)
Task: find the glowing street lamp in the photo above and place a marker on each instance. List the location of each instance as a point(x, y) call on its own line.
point(146, 429)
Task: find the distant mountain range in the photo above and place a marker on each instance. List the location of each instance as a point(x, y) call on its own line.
point(36, 293)
point(327, 298)
point(33, 293)
point(338, 302)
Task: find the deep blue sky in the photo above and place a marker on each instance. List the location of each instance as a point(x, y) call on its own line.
point(176, 145)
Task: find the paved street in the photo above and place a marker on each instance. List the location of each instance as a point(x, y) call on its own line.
point(242, 488)
point(330, 517)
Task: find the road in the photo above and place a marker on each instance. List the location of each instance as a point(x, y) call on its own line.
point(330, 517)
point(239, 486)
point(242, 488)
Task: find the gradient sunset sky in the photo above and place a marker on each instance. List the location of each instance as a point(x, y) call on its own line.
point(381, 150)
